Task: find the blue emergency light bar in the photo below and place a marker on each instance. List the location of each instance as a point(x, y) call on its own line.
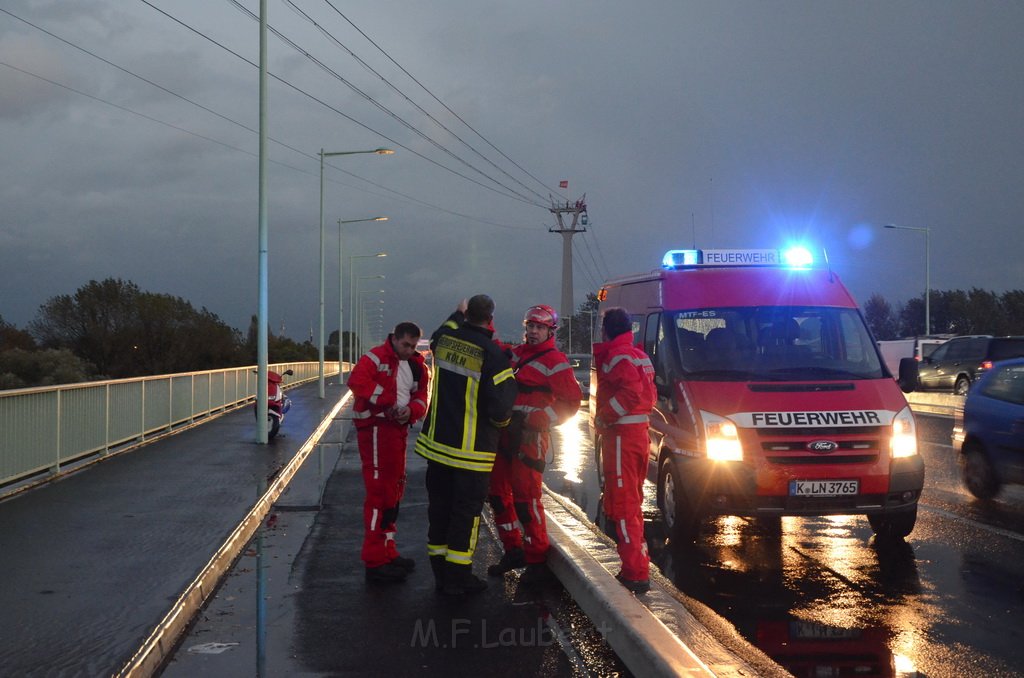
point(793, 257)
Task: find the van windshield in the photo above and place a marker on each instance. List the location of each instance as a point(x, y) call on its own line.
point(770, 343)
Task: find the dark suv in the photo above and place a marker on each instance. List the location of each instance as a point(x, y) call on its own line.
point(957, 363)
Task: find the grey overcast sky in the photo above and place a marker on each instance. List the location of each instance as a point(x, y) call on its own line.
point(725, 124)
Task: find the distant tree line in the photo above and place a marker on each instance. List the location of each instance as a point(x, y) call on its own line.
point(112, 329)
point(953, 312)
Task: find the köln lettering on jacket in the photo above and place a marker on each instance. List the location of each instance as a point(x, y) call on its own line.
point(462, 356)
point(826, 418)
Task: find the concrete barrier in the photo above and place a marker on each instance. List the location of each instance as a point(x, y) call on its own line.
point(653, 633)
point(940, 404)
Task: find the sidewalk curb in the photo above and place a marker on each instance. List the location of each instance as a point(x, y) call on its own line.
point(654, 633)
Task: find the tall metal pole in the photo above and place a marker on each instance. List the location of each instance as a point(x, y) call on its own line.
point(927, 282)
point(341, 309)
point(351, 309)
point(320, 342)
point(567, 285)
point(580, 207)
point(261, 313)
point(927, 270)
point(351, 286)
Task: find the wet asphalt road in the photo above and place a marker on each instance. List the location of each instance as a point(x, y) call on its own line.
point(826, 598)
point(322, 618)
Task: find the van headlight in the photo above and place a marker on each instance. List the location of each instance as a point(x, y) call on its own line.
point(904, 435)
point(721, 437)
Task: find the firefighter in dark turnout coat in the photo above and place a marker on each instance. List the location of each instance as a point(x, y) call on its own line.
point(471, 400)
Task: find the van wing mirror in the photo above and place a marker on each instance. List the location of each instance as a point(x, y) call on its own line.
point(909, 375)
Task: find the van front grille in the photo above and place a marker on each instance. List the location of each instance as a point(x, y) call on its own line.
point(854, 445)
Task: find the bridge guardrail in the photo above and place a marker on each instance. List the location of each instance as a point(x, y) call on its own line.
point(942, 404)
point(45, 429)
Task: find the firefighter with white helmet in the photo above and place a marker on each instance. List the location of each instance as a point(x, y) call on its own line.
point(548, 396)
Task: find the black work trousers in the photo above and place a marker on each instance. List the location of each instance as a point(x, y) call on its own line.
point(456, 499)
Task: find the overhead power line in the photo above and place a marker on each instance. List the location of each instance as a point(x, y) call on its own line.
point(408, 99)
point(433, 96)
point(401, 196)
point(325, 104)
point(365, 95)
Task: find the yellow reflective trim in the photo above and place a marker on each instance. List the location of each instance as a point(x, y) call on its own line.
point(466, 557)
point(474, 535)
point(460, 354)
point(427, 452)
point(451, 324)
point(437, 549)
point(441, 448)
point(469, 421)
point(503, 375)
point(459, 558)
point(434, 386)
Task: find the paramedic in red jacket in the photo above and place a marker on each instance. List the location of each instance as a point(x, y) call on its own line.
point(548, 396)
point(625, 397)
point(390, 387)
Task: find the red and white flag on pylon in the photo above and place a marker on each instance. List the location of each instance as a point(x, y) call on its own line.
point(564, 183)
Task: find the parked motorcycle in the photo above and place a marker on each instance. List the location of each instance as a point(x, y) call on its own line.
point(277, 402)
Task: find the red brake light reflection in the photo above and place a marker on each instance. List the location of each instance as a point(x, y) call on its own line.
point(986, 365)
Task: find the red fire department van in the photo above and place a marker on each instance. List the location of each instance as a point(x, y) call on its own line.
point(772, 397)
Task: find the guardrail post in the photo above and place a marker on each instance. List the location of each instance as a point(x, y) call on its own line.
point(106, 421)
point(55, 469)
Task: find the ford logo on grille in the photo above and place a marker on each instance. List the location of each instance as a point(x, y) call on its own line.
point(822, 446)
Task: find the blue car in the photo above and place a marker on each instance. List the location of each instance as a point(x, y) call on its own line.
point(988, 431)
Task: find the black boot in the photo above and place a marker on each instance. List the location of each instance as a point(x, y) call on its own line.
point(459, 580)
point(536, 575)
point(437, 566)
point(512, 559)
point(387, 573)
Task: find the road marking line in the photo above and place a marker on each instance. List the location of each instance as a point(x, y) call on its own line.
point(997, 530)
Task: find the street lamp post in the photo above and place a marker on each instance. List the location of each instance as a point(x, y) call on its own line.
point(352, 296)
point(361, 313)
point(341, 277)
point(323, 154)
point(590, 327)
point(927, 271)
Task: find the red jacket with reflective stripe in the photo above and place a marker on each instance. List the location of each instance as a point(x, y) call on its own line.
point(625, 382)
point(374, 383)
point(548, 391)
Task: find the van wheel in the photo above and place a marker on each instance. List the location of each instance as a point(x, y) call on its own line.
point(681, 522)
point(894, 525)
point(962, 385)
point(977, 471)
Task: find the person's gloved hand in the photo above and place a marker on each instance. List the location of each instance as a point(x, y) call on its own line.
point(512, 437)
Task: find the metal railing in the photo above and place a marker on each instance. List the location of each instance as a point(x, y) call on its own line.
point(941, 404)
point(45, 429)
